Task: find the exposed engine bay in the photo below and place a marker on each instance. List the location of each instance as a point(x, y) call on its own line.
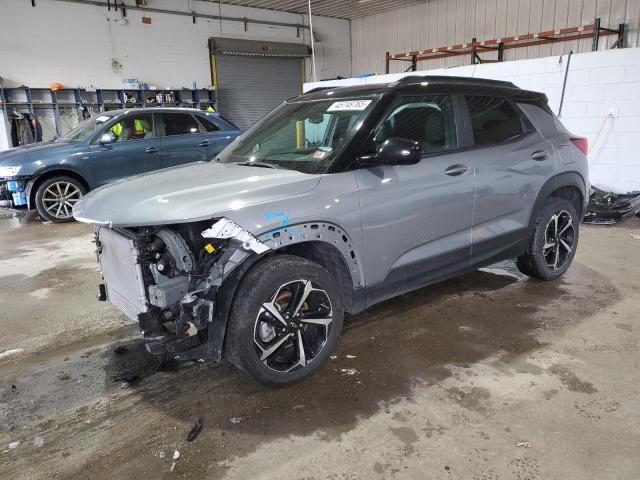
point(167, 277)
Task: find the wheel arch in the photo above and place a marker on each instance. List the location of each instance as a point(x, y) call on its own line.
point(570, 186)
point(321, 242)
point(32, 186)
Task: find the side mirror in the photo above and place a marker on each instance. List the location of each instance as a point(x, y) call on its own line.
point(394, 151)
point(107, 137)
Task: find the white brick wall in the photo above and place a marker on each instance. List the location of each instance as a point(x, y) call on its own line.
point(597, 83)
point(74, 44)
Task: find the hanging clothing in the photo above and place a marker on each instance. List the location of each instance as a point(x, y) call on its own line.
point(21, 133)
point(25, 130)
point(37, 129)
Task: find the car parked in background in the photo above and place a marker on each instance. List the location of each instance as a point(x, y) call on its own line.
point(335, 201)
point(53, 176)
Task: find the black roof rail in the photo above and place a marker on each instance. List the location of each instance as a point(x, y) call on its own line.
point(457, 80)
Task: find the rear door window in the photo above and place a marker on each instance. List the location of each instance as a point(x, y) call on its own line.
point(179, 124)
point(493, 119)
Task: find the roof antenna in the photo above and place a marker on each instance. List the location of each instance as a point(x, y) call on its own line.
point(313, 46)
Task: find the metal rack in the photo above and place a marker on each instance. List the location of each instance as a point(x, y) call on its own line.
point(499, 45)
point(35, 99)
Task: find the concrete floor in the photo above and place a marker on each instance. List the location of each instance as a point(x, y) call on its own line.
point(489, 376)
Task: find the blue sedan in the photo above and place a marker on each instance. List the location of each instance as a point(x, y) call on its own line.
point(53, 176)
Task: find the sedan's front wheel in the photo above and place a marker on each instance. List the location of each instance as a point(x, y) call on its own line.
point(55, 198)
point(285, 321)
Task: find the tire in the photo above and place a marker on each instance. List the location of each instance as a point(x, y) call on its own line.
point(56, 196)
point(266, 335)
point(550, 254)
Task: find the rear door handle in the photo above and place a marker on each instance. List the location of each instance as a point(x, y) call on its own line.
point(204, 143)
point(455, 170)
point(151, 150)
point(540, 155)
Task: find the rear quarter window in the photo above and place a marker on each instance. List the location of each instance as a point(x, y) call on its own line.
point(208, 125)
point(543, 119)
point(493, 120)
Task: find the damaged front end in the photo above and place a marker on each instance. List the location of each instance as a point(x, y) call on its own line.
point(170, 279)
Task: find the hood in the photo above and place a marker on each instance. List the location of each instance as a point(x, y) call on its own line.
point(188, 193)
point(19, 156)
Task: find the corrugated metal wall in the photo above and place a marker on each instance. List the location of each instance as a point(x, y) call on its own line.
point(438, 23)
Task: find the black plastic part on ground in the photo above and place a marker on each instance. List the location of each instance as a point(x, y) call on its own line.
point(608, 207)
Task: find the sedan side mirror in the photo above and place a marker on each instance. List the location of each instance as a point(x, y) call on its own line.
point(107, 137)
point(394, 151)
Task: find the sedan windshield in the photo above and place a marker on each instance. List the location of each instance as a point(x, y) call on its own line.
point(86, 128)
point(302, 136)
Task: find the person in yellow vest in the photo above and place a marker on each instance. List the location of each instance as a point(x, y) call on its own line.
point(117, 130)
point(140, 129)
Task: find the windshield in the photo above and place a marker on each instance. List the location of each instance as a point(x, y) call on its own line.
point(86, 128)
point(302, 136)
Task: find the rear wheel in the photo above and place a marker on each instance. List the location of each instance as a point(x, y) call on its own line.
point(285, 321)
point(56, 196)
point(553, 242)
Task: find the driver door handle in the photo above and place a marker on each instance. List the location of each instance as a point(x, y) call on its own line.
point(151, 150)
point(540, 155)
point(455, 170)
point(205, 143)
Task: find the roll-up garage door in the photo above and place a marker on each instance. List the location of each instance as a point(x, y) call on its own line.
point(249, 87)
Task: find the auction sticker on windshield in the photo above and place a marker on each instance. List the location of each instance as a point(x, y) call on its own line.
point(345, 105)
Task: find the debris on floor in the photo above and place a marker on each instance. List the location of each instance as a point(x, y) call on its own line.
point(195, 430)
point(120, 349)
point(38, 442)
point(524, 444)
point(127, 380)
point(8, 353)
point(606, 208)
point(236, 420)
point(14, 445)
point(348, 371)
point(351, 356)
point(176, 456)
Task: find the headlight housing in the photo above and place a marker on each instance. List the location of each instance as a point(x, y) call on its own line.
point(9, 171)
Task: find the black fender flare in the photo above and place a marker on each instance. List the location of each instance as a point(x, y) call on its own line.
point(224, 299)
point(567, 179)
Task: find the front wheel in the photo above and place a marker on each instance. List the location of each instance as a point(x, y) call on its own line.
point(553, 242)
point(55, 198)
point(285, 321)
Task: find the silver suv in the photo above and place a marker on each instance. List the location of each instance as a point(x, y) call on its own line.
point(335, 201)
